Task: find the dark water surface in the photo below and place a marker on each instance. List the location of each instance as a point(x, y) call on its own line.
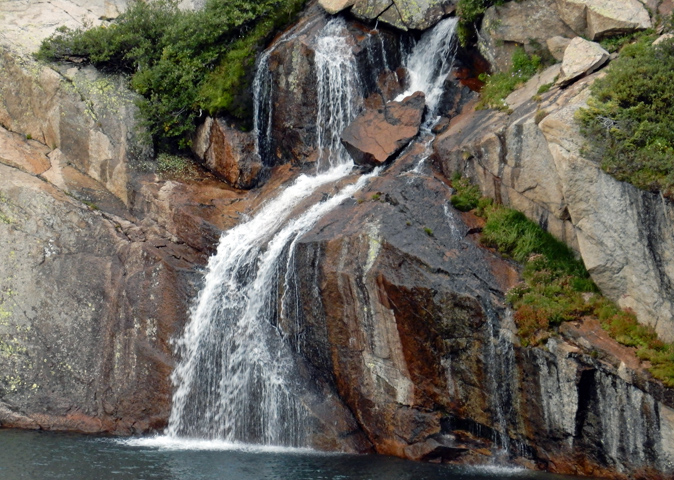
point(50, 456)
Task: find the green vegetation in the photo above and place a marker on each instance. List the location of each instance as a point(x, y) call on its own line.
point(182, 62)
point(470, 13)
point(540, 115)
point(467, 194)
point(174, 166)
point(558, 288)
point(629, 118)
point(499, 85)
point(90, 204)
point(623, 327)
point(428, 231)
point(616, 43)
point(544, 88)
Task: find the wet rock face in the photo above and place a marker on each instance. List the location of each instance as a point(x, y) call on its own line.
point(405, 315)
point(391, 286)
point(375, 136)
point(294, 95)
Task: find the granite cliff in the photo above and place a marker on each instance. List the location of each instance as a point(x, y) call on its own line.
point(401, 327)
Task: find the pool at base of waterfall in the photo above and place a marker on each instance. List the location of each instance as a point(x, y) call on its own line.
point(29, 455)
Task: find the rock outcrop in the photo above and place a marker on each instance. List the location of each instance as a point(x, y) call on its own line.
point(534, 23)
point(600, 18)
point(407, 314)
point(581, 58)
point(375, 136)
point(402, 14)
point(100, 256)
point(531, 160)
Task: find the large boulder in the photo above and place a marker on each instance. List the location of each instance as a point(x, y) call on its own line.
point(581, 57)
point(529, 23)
point(335, 6)
point(600, 18)
point(375, 136)
point(402, 14)
point(228, 152)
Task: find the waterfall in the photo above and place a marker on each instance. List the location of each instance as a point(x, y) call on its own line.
point(237, 379)
point(337, 93)
point(430, 62)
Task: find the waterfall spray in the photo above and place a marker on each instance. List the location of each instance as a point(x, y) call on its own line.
point(237, 379)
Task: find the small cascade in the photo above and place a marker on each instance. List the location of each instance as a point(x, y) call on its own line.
point(262, 93)
point(429, 63)
point(338, 93)
point(237, 379)
point(500, 368)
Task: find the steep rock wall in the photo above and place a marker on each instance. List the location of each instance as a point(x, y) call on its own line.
point(408, 316)
point(623, 234)
point(100, 257)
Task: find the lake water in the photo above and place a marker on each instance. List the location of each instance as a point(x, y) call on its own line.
point(30, 455)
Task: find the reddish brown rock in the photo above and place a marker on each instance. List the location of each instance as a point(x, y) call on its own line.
point(375, 136)
point(229, 153)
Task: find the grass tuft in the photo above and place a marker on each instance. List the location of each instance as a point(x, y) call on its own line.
point(499, 85)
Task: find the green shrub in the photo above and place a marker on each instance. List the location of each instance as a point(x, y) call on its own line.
point(174, 166)
point(181, 62)
point(467, 194)
point(544, 88)
point(470, 14)
point(499, 85)
point(629, 118)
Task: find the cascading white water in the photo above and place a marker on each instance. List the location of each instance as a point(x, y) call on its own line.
point(338, 93)
point(237, 378)
point(430, 62)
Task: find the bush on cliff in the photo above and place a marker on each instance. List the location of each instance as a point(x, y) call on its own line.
point(470, 12)
point(630, 116)
point(182, 62)
point(499, 85)
point(557, 287)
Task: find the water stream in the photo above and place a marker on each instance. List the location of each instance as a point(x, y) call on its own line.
point(430, 62)
point(238, 380)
